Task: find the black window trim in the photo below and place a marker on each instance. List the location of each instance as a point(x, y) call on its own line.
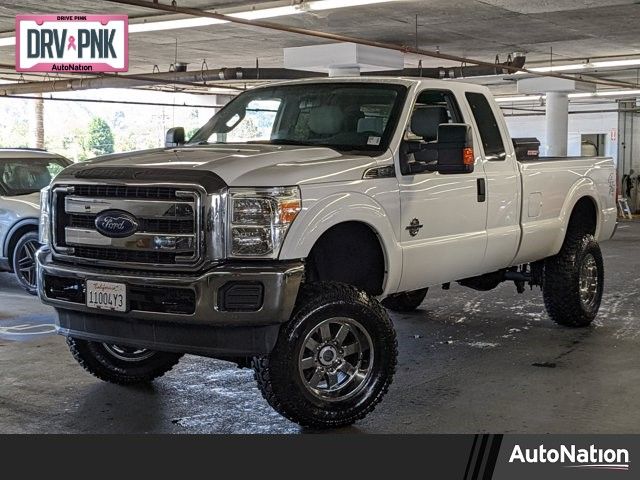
point(459, 117)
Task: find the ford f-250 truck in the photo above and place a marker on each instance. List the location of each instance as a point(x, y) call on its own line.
point(273, 235)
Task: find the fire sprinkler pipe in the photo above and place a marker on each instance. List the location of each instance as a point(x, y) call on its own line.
point(196, 78)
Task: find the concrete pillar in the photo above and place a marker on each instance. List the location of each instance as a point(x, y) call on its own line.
point(557, 116)
point(557, 124)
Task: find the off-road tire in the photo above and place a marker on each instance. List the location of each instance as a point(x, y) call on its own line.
point(561, 281)
point(29, 241)
point(96, 359)
point(278, 374)
point(405, 301)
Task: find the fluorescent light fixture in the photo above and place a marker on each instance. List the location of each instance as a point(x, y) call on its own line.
point(617, 63)
point(521, 98)
point(631, 62)
point(557, 68)
point(329, 4)
point(173, 24)
point(537, 98)
point(606, 93)
point(205, 21)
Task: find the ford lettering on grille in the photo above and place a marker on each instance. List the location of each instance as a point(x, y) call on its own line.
point(116, 224)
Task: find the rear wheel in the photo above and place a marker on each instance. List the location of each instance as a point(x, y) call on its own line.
point(333, 362)
point(574, 281)
point(119, 364)
point(405, 301)
point(24, 261)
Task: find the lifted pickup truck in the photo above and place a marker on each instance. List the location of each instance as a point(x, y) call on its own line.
point(273, 234)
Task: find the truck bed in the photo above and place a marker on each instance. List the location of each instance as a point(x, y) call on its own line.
point(550, 186)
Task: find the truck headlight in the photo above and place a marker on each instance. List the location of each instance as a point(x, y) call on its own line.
point(259, 219)
point(44, 228)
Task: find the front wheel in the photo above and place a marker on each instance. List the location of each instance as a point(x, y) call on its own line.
point(24, 261)
point(333, 362)
point(573, 281)
point(121, 364)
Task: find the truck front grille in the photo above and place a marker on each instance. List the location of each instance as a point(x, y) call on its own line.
point(168, 232)
point(124, 256)
point(125, 191)
point(157, 225)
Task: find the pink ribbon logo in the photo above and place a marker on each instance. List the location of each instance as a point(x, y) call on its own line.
point(72, 43)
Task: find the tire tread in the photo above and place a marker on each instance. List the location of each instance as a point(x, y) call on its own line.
point(91, 359)
point(561, 299)
point(313, 296)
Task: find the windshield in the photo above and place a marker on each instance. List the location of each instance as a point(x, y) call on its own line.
point(21, 176)
point(357, 117)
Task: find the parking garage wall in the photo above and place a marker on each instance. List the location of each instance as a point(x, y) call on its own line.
point(605, 123)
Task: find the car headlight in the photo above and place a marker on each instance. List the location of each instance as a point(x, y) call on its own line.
point(44, 230)
point(259, 219)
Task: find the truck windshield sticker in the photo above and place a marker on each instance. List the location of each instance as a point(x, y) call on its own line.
point(373, 141)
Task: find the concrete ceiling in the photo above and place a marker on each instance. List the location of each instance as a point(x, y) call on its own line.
point(481, 29)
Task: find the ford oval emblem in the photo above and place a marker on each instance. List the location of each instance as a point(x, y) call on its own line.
point(116, 224)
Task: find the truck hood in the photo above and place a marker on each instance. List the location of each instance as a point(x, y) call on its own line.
point(252, 165)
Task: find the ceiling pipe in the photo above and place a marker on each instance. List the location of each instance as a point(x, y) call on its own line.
point(345, 38)
point(194, 78)
point(456, 72)
point(116, 102)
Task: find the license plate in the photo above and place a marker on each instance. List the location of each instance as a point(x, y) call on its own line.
point(107, 295)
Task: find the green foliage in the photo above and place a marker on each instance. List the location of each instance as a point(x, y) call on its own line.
point(191, 132)
point(100, 137)
point(126, 142)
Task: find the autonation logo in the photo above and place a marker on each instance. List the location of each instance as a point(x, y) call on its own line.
point(574, 457)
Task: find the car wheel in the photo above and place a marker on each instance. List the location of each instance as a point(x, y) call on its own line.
point(574, 281)
point(24, 262)
point(120, 364)
point(333, 361)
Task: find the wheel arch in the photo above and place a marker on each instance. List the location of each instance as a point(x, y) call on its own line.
point(581, 200)
point(15, 232)
point(343, 211)
point(349, 252)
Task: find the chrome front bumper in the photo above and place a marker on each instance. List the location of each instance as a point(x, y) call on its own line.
point(280, 282)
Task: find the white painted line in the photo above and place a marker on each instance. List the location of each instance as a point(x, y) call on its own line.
point(25, 329)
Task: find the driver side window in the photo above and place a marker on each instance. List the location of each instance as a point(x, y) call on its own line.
point(432, 108)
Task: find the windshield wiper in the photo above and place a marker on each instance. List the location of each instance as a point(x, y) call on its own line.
point(284, 141)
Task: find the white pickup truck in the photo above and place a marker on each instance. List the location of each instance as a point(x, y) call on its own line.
point(277, 233)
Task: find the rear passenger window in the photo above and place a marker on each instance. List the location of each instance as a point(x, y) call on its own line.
point(487, 126)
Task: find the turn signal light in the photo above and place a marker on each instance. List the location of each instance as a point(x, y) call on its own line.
point(288, 210)
point(467, 156)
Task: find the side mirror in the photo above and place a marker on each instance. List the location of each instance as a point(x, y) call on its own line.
point(453, 151)
point(174, 137)
point(455, 148)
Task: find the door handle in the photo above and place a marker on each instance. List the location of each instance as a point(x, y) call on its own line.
point(482, 190)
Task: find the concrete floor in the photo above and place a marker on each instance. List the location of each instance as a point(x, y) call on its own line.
point(469, 362)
